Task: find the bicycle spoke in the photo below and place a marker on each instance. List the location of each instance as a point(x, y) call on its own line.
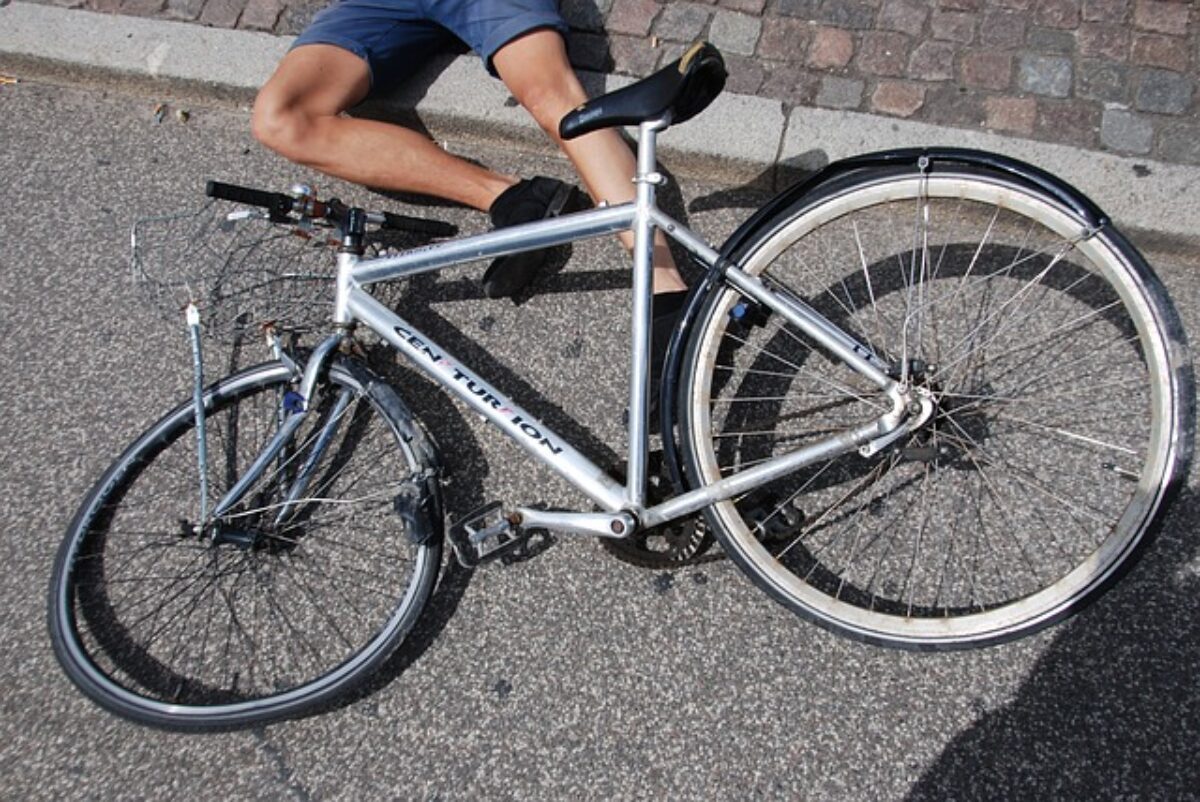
point(240, 612)
point(982, 294)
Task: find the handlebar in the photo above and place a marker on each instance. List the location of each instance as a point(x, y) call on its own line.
point(279, 206)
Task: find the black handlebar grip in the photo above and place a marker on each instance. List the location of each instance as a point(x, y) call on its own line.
point(277, 202)
point(419, 225)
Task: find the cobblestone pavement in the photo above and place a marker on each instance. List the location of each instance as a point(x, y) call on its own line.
point(1115, 75)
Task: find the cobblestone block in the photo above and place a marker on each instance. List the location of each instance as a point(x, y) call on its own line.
point(1004, 29)
point(185, 10)
point(955, 26)
point(1163, 91)
point(1015, 114)
point(746, 6)
point(1122, 130)
point(906, 16)
point(682, 22)
point(632, 16)
point(141, 8)
point(1101, 40)
point(296, 17)
point(585, 15)
point(799, 8)
point(897, 98)
point(961, 5)
point(789, 83)
point(222, 13)
point(633, 55)
point(1058, 13)
point(1044, 75)
point(733, 32)
point(104, 6)
point(261, 15)
point(840, 93)
point(1051, 40)
point(847, 14)
point(1103, 81)
point(987, 69)
point(883, 53)
point(1180, 142)
point(1161, 16)
point(1105, 10)
point(946, 104)
point(932, 61)
point(785, 39)
point(1069, 122)
point(1018, 5)
point(1168, 52)
point(832, 48)
point(746, 75)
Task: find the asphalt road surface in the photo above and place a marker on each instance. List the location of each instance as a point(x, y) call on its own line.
point(571, 675)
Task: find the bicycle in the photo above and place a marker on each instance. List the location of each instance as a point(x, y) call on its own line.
point(928, 399)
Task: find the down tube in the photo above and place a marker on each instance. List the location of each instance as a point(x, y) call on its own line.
point(524, 429)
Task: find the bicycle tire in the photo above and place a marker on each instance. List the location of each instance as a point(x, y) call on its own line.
point(272, 618)
point(1062, 426)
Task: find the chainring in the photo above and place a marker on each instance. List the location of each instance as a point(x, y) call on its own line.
point(674, 545)
point(679, 543)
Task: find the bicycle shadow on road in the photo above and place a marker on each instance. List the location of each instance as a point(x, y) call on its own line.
point(1110, 710)
point(761, 188)
point(445, 424)
point(465, 461)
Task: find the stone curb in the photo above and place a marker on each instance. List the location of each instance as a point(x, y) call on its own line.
point(740, 138)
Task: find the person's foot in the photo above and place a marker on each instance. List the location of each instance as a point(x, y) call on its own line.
point(668, 308)
point(538, 198)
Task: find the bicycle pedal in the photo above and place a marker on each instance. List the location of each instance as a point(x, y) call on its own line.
point(485, 535)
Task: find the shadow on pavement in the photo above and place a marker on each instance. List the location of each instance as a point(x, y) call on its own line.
point(1110, 710)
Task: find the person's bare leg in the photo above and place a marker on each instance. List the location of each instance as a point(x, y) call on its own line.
point(298, 113)
point(536, 70)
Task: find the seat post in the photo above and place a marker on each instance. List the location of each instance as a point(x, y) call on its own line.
point(647, 180)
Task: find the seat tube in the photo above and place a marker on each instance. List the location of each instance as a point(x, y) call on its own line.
point(647, 180)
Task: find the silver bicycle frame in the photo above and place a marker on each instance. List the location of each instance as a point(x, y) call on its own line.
point(643, 217)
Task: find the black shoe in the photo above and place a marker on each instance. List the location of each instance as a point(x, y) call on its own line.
point(533, 199)
point(668, 308)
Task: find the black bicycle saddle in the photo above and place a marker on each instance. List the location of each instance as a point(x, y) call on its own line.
point(684, 88)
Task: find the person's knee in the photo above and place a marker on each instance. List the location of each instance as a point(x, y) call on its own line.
point(272, 123)
point(279, 126)
point(549, 101)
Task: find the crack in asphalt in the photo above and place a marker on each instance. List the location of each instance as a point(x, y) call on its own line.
point(284, 773)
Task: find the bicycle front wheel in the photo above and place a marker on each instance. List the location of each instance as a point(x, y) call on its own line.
point(1060, 424)
point(288, 601)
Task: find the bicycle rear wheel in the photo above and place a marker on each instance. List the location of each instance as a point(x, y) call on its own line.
point(1061, 421)
point(257, 616)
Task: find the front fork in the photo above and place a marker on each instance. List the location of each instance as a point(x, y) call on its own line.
point(294, 408)
point(295, 405)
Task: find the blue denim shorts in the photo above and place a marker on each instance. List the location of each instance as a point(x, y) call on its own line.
point(396, 37)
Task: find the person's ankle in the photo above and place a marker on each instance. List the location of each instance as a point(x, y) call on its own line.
point(668, 280)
